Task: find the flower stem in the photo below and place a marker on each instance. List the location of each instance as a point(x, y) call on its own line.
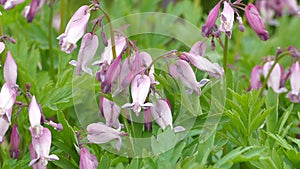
point(111, 32)
point(270, 71)
point(50, 42)
point(225, 54)
point(62, 16)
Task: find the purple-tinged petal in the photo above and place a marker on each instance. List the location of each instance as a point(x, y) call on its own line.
point(276, 75)
point(292, 6)
point(227, 18)
point(213, 69)
point(7, 100)
point(256, 22)
point(9, 4)
point(34, 113)
point(14, 142)
point(4, 125)
point(10, 70)
point(161, 113)
point(294, 94)
point(88, 48)
point(99, 133)
point(35, 5)
point(241, 24)
point(148, 119)
point(111, 112)
point(198, 48)
point(87, 160)
point(211, 20)
point(75, 29)
point(255, 82)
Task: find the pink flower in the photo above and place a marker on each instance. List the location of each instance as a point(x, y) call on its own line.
point(88, 48)
point(140, 87)
point(294, 94)
point(227, 18)
point(41, 146)
point(10, 70)
point(111, 75)
point(255, 82)
point(211, 20)
point(213, 69)
point(75, 29)
point(9, 4)
point(198, 48)
point(31, 10)
point(7, 100)
point(292, 6)
point(107, 55)
point(256, 22)
point(111, 112)
point(183, 71)
point(99, 133)
point(35, 118)
point(161, 113)
point(87, 160)
point(276, 76)
point(14, 142)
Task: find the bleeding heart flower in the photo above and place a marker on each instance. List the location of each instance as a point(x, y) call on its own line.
point(87, 160)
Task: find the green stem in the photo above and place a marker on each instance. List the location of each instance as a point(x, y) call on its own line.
point(225, 54)
point(111, 32)
point(62, 15)
point(50, 42)
point(270, 71)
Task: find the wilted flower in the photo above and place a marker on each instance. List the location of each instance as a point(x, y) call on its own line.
point(88, 48)
point(213, 69)
point(140, 87)
point(294, 94)
point(211, 20)
point(276, 76)
point(14, 142)
point(75, 29)
point(161, 113)
point(256, 22)
point(41, 146)
point(227, 18)
point(183, 71)
point(100, 133)
point(255, 82)
point(87, 160)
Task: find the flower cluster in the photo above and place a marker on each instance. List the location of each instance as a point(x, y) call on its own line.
point(276, 77)
point(271, 8)
point(41, 136)
point(227, 17)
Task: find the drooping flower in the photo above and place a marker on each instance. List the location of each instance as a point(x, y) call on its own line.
point(14, 142)
point(211, 20)
point(268, 10)
point(107, 55)
point(161, 113)
point(292, 6)
point(111, 112)
point(9, 4)
point(276, 76)
point(255, 21)
point(140, 87)
point(99, 133)
point(88, 48)
point(227, 18)
point(10, 70)
point(75, 29)
point(31, 10)
point(294, 94)
point(213, 69)
point(255, 82)
point(183, 71)
point(41, 146)
point(35, 118)
point(87, 160)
